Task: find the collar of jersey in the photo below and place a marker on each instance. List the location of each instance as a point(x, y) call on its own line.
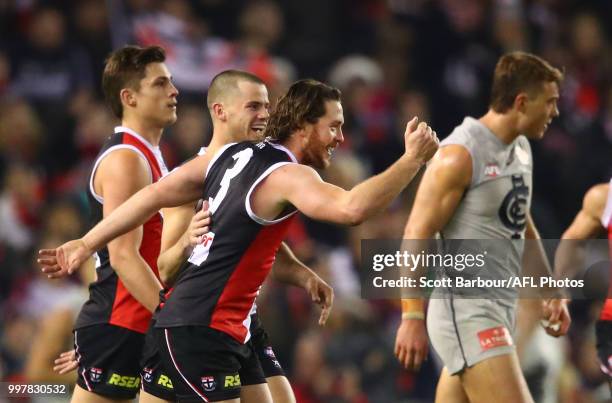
point(123, 129)
point(285, 149)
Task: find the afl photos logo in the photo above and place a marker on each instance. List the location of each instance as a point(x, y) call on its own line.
point(513, 210)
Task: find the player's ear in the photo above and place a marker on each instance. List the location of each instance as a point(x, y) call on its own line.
point(219, 112)
point(303, 133)
point(520, 101)
point(127, 97)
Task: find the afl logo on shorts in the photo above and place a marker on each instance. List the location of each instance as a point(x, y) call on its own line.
point(208, 383)
point(95, 374)
point(513, 210)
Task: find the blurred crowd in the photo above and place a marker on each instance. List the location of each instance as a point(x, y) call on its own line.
point(392, 59)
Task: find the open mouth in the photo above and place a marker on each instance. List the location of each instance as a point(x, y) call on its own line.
point(330, 150)
point(259, 129)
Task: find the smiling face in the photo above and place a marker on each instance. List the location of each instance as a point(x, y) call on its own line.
point(155, 100)
point(324, 136)
point(247, 111)
point(539, 110)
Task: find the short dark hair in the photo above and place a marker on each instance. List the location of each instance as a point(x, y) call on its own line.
point(124, 68)
point(227, 81)
point(518, 72)
point(303, 103)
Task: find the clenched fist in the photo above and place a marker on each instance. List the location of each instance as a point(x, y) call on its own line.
point(421, 141)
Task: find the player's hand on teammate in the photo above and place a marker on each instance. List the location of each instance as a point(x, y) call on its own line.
point(556, 318)
point(200, 223)
point(63, 260)
point(411, 343)
point(421, 141)
point(66, 362)
point(322, 294)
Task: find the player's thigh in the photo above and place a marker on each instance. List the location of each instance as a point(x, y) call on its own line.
point(281, 389)
point(254, 386)
point(498, 376)
point(256, 394)
point(81, 395)
point(144, 397)
point(273, 371)
point(449, 389)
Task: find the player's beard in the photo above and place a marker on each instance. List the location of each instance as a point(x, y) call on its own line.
point(315, 152)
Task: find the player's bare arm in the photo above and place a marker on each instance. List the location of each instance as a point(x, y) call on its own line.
point(115, 187)
point(289, 269)
point(586, 225)
point(327, 202)
point(176, 242)
point(556, 319)
point(441, 189)
point(180, 187)
point(535, 262)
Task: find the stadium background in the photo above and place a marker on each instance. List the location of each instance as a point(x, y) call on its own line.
point(392, 59)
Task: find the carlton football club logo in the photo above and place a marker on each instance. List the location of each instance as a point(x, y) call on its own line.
point(95, 374)
point(148, 374)
point(513, 210)
point(208, 383)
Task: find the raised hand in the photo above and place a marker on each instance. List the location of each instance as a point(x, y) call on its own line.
point(421, 140)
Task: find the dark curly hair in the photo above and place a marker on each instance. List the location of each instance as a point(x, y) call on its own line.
point(125, 68)
point(303, 103)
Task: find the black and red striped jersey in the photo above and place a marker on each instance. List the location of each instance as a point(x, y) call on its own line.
point(218, 284)
point(109, 301)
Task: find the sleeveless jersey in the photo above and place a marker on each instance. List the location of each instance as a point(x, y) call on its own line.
point(606, 221)
point(496, 204)
point(218, 284)
point(109, 300)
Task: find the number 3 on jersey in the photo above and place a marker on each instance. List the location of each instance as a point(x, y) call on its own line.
point(242, 158)
point(200, 252)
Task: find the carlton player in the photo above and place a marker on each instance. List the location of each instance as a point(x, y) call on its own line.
point(109, 331)
point(254, 189)
point(592, 220)
point(479, 187)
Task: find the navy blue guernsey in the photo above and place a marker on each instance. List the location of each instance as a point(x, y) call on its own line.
point(218, 284)
point(109, 300)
